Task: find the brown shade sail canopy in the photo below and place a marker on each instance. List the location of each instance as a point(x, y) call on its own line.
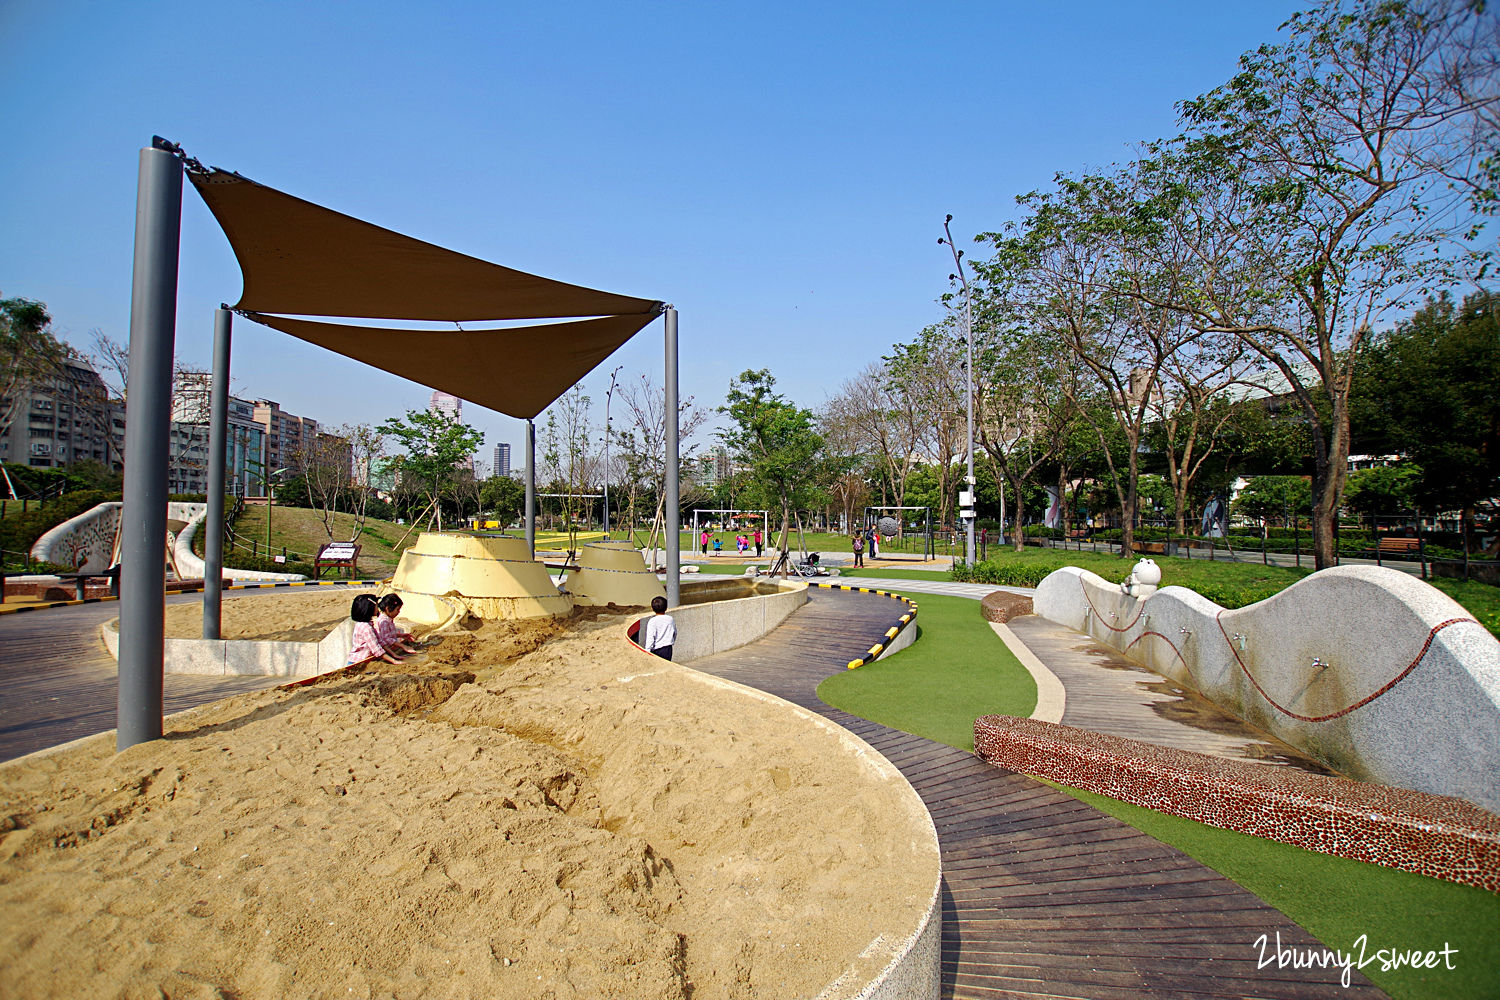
point(306, 260)
point(302, 259)
point(518, 371)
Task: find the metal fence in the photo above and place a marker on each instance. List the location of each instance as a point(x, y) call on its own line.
point(1426, 547)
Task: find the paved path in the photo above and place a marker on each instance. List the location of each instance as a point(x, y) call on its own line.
point(58, 683)
point(1043, 896)
point(1107, 693)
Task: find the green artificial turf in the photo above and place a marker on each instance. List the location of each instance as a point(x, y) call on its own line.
point(1337, 900)
point(958, 670)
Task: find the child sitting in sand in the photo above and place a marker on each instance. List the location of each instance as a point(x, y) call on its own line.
point(392, 638)
point(366, 645)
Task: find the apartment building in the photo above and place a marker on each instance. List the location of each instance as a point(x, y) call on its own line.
point(187, 449)
point(67, 418)
point(290, 439)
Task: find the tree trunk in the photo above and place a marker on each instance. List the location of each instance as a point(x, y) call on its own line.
point(1129, 501)
point(1331, 470)
point(1018, 540)
point(786, 530)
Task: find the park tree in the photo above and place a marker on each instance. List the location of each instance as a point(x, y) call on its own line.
point(504, 496)
point(642, 445)
point(334, 470)
point(1194, 412)
point(1078, 266)
point(30, 354)
point(1324, 189)
point(847, 451)
point(1429, 387)
point(928, 374)
point(1025, 391)
point(1274, 498)
point(428, 450)
point(1383, 490)
point(877, 414)
point(569, 458)
point(778, 444)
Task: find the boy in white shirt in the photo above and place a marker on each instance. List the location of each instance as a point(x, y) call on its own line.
point(660, 631)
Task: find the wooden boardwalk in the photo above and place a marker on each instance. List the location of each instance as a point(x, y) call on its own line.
point(58, 682)
point(1043, 896)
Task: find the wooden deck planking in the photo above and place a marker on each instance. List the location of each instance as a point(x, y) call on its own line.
point(1044, 896)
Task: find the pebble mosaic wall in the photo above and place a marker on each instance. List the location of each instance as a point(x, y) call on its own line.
point(1434, 835)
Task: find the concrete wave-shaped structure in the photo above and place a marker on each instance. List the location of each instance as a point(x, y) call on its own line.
point(1370, 671)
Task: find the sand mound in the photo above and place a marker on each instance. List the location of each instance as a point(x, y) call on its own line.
point(587, 822)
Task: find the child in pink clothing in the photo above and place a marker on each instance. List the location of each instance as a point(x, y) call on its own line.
point(392, 638)
point(366, 646)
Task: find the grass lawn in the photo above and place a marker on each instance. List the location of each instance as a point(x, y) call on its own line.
point(1231, 585)
point(958, 670)
point(300, 530)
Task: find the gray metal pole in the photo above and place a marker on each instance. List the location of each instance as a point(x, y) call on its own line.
point(671, 502)
point(153, 320)
point(973, 488)
point(218, 443)
point(531, 488)
point(958, 266)
point(608, 398)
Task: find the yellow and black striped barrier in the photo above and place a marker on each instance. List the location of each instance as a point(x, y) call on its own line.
point(890, 633)
point(15, 609)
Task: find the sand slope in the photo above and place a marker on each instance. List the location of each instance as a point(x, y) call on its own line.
point(588, 821)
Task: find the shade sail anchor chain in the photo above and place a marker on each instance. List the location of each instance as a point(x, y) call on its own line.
point(192, 164)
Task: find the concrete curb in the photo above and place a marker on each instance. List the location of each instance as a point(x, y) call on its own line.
point(1051, 696)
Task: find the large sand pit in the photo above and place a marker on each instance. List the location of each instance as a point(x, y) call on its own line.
point(583, 821)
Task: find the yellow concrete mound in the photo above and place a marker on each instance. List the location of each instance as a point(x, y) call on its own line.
point(487, 576)
point(613, 573)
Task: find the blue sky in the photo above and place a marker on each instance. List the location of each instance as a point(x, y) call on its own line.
point(778, 171)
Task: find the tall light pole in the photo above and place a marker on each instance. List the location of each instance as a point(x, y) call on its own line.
point(966, 510)
point(607, 397)
point(270, 503)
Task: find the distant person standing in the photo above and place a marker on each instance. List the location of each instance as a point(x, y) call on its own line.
point(703, 541)
point(875, 544)
point(859, 549)
point(659, 634)
point(758, 539)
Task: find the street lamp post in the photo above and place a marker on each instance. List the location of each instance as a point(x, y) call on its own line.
point(608, 396)
point(270, 503)
point(965, 511)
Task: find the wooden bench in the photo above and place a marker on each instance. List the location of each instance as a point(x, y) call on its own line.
point(1396, 545)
